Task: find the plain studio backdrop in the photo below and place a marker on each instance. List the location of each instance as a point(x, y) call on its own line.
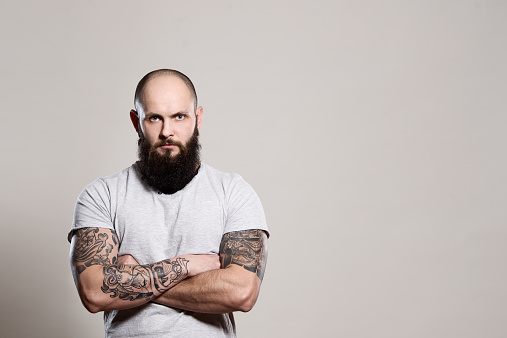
point(374, 133)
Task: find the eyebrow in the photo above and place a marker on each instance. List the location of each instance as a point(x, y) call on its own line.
point(181, 112)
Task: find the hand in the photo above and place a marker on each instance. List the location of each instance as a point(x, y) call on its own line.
point(127, 260)
point(201, 263)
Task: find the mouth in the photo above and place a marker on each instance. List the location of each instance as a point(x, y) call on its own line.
point(168, 145)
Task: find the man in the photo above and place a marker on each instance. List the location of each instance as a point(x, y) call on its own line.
point(168, 247)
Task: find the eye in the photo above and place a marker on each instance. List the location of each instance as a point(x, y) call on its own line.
point(153, 118)
point(180, 117)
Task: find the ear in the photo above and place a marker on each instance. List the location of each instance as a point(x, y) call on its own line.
point(198, 115)
point(135, 120)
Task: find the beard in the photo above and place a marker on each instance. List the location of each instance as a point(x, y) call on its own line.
point(166, 172)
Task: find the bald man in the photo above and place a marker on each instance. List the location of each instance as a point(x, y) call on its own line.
point(170, 246)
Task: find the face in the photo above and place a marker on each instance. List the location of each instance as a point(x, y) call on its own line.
point(169, 173)
point(167, 117)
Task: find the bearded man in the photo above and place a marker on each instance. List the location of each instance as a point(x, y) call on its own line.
point(170, 246)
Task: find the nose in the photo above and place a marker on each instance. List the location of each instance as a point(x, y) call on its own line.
point(166, 131)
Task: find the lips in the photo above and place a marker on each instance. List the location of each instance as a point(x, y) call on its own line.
point(169, 145)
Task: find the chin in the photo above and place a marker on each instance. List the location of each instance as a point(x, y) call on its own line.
point(168, 152)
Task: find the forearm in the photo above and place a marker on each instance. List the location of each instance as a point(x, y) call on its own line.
point(217, 291)
point(118, 286)
point(235, 287)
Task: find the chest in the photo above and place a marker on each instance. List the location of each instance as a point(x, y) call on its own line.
point(152, 227)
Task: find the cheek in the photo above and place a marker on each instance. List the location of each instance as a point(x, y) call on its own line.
point(188, 134)
point(150, 133)
point(190, 127)
point(181, 131)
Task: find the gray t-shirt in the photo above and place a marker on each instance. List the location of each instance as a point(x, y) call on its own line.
point(152, 226)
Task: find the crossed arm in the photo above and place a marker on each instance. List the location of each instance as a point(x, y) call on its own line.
point(106, 283)
point(235, 287)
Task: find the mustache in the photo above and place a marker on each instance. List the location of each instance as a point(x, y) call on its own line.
point(168, 142)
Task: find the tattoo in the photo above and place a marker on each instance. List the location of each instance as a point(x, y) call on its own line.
point(92, 248)
point(98, 246)
point(247, 248)
point(131, 282)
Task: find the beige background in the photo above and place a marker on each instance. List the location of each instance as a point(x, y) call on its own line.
point(373, 131)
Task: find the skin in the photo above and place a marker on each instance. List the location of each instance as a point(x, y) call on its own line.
point(201, 283)
point(169, 114)
point(105, 282)
point(235, 287)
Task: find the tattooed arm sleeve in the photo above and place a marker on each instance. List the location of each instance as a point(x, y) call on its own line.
point(105, 285)
point(248, 249)
point(235, 287)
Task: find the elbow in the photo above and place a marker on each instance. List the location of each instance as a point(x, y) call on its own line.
point(246, 299)
point(89, 305)
point(92, 302)
point(247, 305)
point(91, 308)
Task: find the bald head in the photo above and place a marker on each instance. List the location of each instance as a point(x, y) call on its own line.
point(148, 82)
point(139, 95)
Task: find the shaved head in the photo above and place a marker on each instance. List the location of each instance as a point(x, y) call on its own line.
point(139, 97)
point(169, 121)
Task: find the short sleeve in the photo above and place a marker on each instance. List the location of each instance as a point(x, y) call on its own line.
point(244, 208)
point(93, 208)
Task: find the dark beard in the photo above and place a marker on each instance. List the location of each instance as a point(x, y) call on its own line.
point(165, 173)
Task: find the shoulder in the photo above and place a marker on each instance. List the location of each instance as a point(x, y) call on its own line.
point(226, 180)
point(120, 176)
point(235, 191)
point(243, 207)
point(95, 204)
point(102, 192)
point(108, 183)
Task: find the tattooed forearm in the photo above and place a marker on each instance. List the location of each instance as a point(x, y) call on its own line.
point(93, 247)
point(99, 247)
point(168, 272)
point(131, 282)
point(247, 248)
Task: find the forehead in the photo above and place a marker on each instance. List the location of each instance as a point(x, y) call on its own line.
point(166, 92)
